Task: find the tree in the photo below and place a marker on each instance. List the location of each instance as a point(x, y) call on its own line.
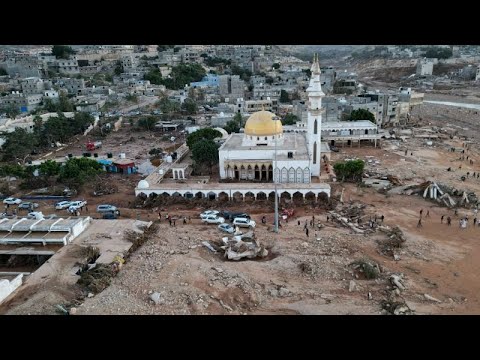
point(244, 74)
point(167, 106)
point(351, 170)
point(190, 106)
point(49, 168)
point(239, 119)
point(439, 53)
point(118, 68)
point(232, 127)
point(132, 98)
point(202, 134)
point(18, 144)
point(62, 51)
point(12, 111)
point(289, 119)
point(361, 114)
point(269, 80)
point(154, 76)
point(3, 72)
point(64, 103)
point(205, 153)
point(161, 48)
point(284, 98)
point(78, 170)
point(49, 105)
point(156, 152)
point(276, 66)
point(148, 123)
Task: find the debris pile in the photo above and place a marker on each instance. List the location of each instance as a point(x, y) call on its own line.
point(396, 239)
point(396, 307)
point(351, 216)
point(368, 269)
point(104, 187)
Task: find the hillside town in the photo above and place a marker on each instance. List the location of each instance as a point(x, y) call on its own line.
point(239, 179)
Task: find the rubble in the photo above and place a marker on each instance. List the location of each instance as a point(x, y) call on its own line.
point(396, 280)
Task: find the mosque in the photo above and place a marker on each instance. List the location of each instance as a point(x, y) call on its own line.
point(264, 154)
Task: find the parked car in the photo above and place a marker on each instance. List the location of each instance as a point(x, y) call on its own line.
point(75, 205)
point(106, 208)
point(213, 219)
point(35, 215)
point(12, 201)
point(244, 222)
point(208, 213)
point(62, 205)
point(234, 215)
point(27, 206)
point(111, 215)
point(226, 228)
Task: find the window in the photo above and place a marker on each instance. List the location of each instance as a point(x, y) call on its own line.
point(265, 138)
point(315, 126)
point(290, 155)
point(258, 138)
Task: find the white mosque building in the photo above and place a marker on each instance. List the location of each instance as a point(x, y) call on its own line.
point(261, 156)
point(265, 153)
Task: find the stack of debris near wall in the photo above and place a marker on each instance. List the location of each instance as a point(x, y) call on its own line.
point(443, 194)
point(239, 247)
point(352, 216)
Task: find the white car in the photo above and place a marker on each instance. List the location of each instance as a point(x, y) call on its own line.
point(75, 205)
point(208, 213)
point(62, 205)
point(12, 201)
point(37, 215)
point(226, 228)
point(244, 222)
point(213, 219)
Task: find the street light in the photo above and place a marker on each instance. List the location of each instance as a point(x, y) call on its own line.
point(275, 179)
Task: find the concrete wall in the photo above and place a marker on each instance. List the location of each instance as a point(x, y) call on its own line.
point(7, 287)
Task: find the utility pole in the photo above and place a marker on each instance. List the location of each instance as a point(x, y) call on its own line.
point(275, 179)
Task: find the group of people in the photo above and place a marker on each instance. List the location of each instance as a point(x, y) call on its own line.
point(172, 221)
point(463, 222)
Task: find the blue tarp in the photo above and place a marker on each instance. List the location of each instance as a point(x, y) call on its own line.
point(105, 161)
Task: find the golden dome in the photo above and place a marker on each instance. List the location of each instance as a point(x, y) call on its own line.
point(261, 123)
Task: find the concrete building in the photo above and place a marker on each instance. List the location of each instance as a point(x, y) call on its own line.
point(209, 80)
point(73, 86)
point(425, 67)
point(129, 62)
point(220, 120)
point(327, 78)
point(231, 87)
point(43, 231)
point(348, 132)
point(32, 85)
point(251, 106)
point(264, 91)
point(67, 66)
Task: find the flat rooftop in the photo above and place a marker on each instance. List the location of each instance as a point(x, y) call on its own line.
point(195, 186)
point(359, 124)
point(291, 141)
point(45, 225)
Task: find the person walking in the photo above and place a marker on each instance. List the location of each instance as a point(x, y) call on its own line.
point(169, 221)
point(449, 221)
point(174, 219)
point(421, 212)
point(298, 222)
point(327, 218)
point(306, 231)
point(428, 214)
point(474, 221)
point(184, 220)
point(419, 224)
point(441, 219)
point(383, 217)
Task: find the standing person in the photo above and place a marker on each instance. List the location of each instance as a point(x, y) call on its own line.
point(421, 212)
point(189, 219)
point(441, 219)
point(474, 221)
point(159, 216)
point(383, 217)
point(419, 224)
point(327, 218)
point(456, 212)
point(306, 231)
point(428, 214)
point(406, 152)
point(449, 221)
point(169, 221)
point(174, 219)
point(184, 220)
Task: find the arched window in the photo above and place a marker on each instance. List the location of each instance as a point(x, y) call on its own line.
point(315, 152)
point(315, 125)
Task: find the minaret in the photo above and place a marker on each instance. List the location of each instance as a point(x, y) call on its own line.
point(314, 120)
